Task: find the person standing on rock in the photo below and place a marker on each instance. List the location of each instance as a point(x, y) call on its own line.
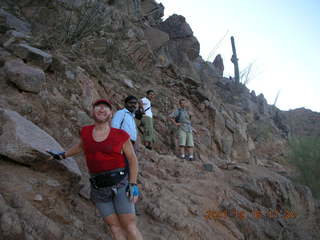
point(182, 119)
point(114, 187)
point(124, 118)
point(147, 120)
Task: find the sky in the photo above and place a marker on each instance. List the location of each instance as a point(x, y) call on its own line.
point(280, 38)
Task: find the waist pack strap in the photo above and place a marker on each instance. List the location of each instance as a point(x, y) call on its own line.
point(108, 179)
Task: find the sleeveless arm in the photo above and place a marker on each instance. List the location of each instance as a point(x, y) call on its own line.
point(132, 159)
point(74, 150)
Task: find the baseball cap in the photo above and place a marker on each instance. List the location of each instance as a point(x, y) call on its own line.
point(102, 101)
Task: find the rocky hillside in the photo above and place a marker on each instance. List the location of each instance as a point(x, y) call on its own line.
point(57, 56)
point(303, 122)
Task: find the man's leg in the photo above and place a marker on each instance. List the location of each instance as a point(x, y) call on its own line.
point(190, 153)
point(182, 142)
point(115, 227)
point(190, 145)
point(128, 222)
point(182, 152)
point(148, 131)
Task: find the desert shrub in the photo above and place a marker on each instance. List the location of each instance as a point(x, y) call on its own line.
point(77, 22)
point(83, 21)
point(304, 153)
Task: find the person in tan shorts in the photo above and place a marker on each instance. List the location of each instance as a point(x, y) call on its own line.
point(182, 119)
point(148, 135)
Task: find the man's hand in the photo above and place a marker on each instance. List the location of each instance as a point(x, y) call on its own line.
point(133, 192)
point(57, 156)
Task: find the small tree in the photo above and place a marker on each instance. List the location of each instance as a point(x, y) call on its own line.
point(77, 22)
point(83, 21)
point(246, 74)
point(276, 98)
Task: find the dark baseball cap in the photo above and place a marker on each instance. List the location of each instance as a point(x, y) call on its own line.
point(102, 101)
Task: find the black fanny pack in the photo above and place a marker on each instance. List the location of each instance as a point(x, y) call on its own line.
point(108, 179)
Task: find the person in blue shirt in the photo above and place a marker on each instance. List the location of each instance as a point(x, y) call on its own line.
point(124, 118)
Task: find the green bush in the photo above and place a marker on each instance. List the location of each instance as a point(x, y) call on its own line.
point(305, 155)
point(83, 21)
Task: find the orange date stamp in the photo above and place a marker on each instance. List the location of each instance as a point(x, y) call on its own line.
point(240, 214)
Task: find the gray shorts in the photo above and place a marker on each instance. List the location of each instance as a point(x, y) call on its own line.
point(120, 204)
point(185, 138)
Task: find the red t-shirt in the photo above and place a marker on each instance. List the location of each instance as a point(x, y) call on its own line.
point(105, 155)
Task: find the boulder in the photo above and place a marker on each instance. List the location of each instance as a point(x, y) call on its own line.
point(176, 26)
point(32, 55)
point(25, 78)
point(24, 142)
point(9, 21)
point(262, 104)
point(218, 64)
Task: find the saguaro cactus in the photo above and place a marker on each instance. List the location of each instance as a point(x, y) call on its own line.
point(234, 60)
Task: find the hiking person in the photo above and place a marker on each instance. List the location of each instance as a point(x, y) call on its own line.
point(124, 118)
point(113, 180)
point(182, 119)
point(147, 120)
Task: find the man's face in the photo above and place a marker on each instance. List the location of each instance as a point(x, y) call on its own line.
point(151, 95)
point(131, 105)
point(101, 113)
point(183, 103)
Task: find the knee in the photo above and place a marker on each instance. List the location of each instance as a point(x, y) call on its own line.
point(131, 228)
point(115, 229)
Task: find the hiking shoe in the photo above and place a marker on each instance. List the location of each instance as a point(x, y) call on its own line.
point(182, 157)
point(190, 159)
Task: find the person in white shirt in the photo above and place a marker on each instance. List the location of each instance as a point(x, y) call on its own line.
point(124, 118)
point(147, 120)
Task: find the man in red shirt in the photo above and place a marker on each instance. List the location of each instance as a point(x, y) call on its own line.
point(113, 179)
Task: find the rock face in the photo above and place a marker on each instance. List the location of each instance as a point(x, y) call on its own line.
point(24, 142)
point(25, 77)
point(302, 122)
point(235, 189)
point(181, 36)
point(155, 37)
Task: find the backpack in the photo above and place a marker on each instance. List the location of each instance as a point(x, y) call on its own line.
point(177, 118)
point(140, 112)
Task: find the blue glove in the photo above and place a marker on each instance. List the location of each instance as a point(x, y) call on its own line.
point(57, 156)
point(132, 190)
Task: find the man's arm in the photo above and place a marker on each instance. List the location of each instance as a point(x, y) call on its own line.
point(117, 119)
point(172, 118)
